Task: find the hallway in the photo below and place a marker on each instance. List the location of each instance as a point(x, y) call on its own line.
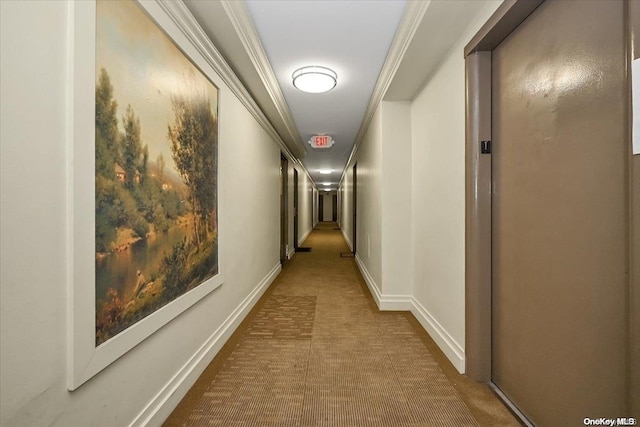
point(315, 350)
point(161, 159)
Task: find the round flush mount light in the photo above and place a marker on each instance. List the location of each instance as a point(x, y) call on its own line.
point(314, 79)
point(325, 171)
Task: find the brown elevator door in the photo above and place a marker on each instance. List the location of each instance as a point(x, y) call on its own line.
point(559, 224)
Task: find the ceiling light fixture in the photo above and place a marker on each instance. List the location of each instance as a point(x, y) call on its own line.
point(325, 171)
point(314, 79)
point(326, 183)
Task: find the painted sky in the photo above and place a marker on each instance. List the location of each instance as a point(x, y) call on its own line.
point(145, 68)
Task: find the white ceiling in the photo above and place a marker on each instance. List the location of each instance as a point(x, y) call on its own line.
point(441, 26)
point(350, 37)
point(264, 41)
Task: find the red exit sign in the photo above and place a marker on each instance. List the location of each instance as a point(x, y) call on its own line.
point(321, 141)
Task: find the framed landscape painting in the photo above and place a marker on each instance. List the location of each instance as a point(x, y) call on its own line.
point(155, 169)
point(153, 231)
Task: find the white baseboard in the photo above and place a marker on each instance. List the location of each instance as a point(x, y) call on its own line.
point(384, 302)
point(290, 253)
point(161, 406)
point(395, 302)
point(371, 284)
point(448, 345)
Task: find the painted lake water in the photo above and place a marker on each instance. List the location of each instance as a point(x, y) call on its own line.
point(118, 270)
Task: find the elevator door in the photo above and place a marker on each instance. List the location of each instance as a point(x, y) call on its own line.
point(559, 228)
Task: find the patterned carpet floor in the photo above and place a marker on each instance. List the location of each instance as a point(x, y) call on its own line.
point(315, 351)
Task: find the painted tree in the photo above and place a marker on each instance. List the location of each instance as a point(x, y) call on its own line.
point(106, 155)
point(160, 163)
point(107, 135)
point(134, 155)
point(144, 161)
point(194, 140)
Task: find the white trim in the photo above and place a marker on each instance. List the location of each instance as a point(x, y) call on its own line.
point(395, 302)
point(371, 284)
point(290, 253)
point(306, 171)
point(448, 345)
point(159, 408)
point(73, 50)
point(242, 23)
point(384, 302)
point(84, 359)
point(411, 19)
point(184, 20)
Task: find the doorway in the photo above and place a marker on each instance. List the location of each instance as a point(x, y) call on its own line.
point(334, 208)
point(321, 208)
point(354, 217)
point(295, 209)
point(355, 209)
point(284, 172)
point(313, 195)
point(548, 188)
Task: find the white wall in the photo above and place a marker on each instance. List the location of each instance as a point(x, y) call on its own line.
point(33, 227)
point(438, 195)
point(396, 199)
point(306, 192)
point(340, 204)
point(305, 206)
point(290, 245)
point(411, 201)
point(368, 203)
point(346, 213)
point(316, 196)
point(383, 205)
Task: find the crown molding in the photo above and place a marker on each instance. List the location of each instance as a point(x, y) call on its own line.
point(184, 20)
point(411, 18)
point(241, 21)
point(189, 26)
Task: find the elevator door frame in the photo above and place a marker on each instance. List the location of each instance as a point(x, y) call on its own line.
point(478, 184)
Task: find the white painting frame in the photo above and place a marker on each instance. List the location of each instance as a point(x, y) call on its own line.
point(84, 359)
